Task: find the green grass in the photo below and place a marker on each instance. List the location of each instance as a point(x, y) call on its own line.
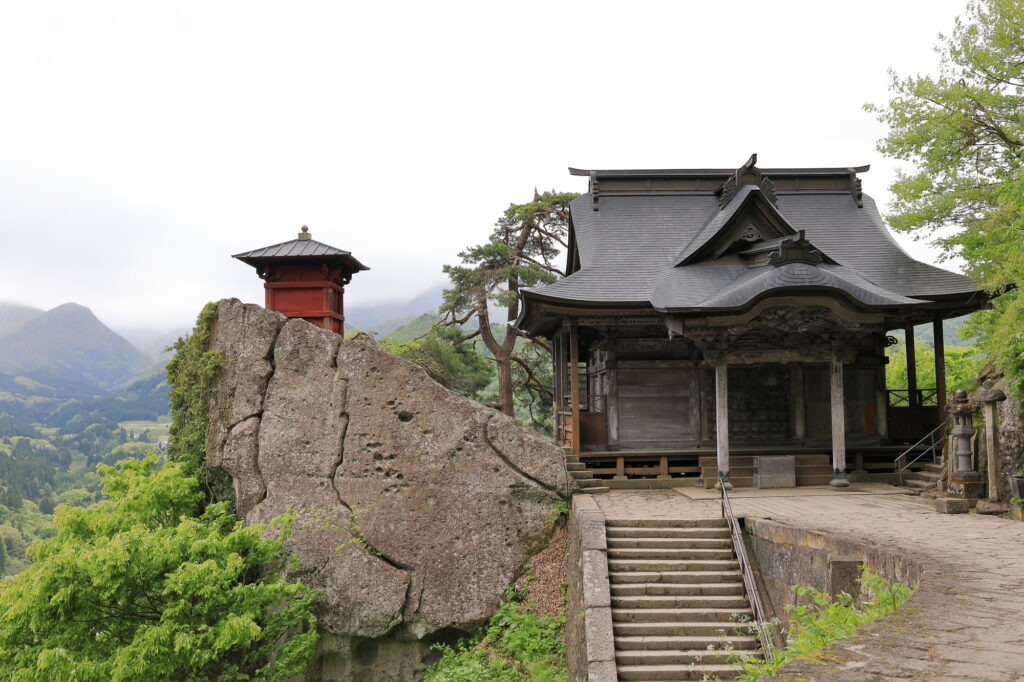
point(516, 645)
point(158, 430)
point(827, 619)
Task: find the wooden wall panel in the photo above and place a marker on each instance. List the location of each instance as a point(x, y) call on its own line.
point(654, 406)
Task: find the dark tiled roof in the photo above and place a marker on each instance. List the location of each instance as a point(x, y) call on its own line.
point(628, 251)
point(299, 248)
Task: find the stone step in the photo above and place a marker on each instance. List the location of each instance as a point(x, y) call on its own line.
point(670, 554)
point(816, 470)
point(670, 543)
point(675, 577)
point(680, 628)
point(932, 468)
point(917, 484)
point(595, 490)
point(677, 601)
point(666, 523)
point(816, 479)
point(666, 533)
point(667, 642)
point(582, 475)
point(707, 615)
point(639, 589)
point(575, 466)
point(697, 656)
point(921, 476)
point(656, 673)
point(671, 565)
point(670, 642)
point(571, 459)
point(586, 482)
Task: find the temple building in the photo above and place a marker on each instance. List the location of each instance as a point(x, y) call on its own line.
point(709, 317)
point(305, 278)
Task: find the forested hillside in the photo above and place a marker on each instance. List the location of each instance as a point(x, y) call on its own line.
point(73, 394)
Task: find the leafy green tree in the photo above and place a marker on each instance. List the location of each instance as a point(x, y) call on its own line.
point(961, 366)
point(520, 253)
point(962, 130)
point(149, 585)
point(452, 363)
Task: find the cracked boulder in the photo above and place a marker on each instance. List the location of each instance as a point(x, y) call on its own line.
point(416, 507)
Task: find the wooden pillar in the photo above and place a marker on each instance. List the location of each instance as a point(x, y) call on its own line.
point(574, 385)
point(838, 423)
point(612, 401)
point(882, 404)
point(722, 419)
point(799, 401)
point(908, 332)
point(940, 369)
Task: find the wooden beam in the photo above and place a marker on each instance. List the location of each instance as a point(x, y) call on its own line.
point(799, 398)
point(940, 369)
point(908, 332)
point(574, 386)
point(722, 418)
point(838, 423)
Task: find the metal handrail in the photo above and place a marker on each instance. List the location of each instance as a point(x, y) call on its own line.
point(931, 449)
point(760, 616)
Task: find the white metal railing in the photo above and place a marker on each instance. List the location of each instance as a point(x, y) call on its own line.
point(760, 619)
point(901, 462)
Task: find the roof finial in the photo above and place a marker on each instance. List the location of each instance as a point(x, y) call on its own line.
point(305, 233)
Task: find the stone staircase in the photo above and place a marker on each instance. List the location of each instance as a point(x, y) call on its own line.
point(585, 481)
point(924, 478)
point(676, 589)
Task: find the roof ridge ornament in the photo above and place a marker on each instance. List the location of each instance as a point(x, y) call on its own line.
point(796, 249)
point(304, 234)
point(747, 174)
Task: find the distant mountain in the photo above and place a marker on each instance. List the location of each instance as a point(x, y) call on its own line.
point(68, 344)
point(374, 316)
point(153, 341)
point(13, 315)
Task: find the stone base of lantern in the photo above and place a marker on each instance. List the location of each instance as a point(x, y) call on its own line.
point(952, 505)
point(966, 485)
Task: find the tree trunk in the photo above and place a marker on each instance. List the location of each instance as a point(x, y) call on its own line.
point(504, 363)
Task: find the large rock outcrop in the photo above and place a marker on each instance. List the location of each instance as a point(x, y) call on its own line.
point(416, 507)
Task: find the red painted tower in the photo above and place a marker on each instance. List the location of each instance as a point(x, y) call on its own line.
point(305, 278)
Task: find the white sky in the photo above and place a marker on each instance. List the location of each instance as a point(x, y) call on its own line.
point(142, 143)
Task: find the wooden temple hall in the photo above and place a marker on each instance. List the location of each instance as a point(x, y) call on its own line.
point(713, 318)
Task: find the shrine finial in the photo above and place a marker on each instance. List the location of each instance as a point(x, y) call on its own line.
point(305, 233)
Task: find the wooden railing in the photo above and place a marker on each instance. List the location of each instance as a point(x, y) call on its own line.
point(761, 621)
point(904, 397)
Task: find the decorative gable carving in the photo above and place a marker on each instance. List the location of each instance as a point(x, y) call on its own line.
point(747, 174)
point(795, 250)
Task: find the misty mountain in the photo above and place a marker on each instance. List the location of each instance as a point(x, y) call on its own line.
point(375, 316)
point(13, 315)
point(67, 345)
point(152, 341)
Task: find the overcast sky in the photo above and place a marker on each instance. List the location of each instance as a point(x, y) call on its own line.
point(142, 143)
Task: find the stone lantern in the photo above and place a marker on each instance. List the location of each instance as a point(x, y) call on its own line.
point(964, 480)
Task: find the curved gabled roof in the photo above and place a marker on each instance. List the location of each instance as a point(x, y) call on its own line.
point(628, 250)
point(302, 248)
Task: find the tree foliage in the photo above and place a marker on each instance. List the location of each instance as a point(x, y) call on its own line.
point(447, 359)
point(520, 253)
point(191, 374)
point(962, 130)
point(150, 585)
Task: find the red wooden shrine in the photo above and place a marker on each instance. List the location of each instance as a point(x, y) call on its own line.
point(305, 279)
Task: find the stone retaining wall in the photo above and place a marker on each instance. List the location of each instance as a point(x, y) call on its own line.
point(588, 629)
point(786, 556)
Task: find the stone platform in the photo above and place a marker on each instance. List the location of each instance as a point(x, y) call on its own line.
point(964, 622)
